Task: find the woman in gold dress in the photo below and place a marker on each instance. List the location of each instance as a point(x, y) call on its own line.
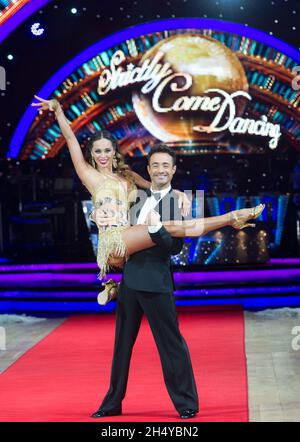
point(112, 185)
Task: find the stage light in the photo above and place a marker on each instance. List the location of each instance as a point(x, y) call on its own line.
point(36, 29)
point(74, 11)
point(10, 57)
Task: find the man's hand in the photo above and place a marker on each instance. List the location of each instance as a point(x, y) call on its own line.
point(183, 203)
point(153, 218)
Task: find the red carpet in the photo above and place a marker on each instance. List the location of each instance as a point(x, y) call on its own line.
point(65, 376)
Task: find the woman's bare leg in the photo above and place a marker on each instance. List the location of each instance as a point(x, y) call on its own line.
point(201, 226)
point(196, 227)
point(137, 238)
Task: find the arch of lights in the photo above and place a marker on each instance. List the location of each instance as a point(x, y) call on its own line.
point(268, 62)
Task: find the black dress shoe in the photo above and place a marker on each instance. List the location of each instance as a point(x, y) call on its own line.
point(188, 413)
point(103, 413)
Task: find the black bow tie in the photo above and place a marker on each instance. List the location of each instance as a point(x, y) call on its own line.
point(157, 195)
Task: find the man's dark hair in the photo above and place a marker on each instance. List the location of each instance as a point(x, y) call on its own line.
point(162, 148)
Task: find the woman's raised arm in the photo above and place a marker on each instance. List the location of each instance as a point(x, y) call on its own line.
point(139, 180)
point(83, 169)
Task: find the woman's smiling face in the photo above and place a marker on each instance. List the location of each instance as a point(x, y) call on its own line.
point(103, 153)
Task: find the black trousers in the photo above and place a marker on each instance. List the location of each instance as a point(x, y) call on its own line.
point(160, 310)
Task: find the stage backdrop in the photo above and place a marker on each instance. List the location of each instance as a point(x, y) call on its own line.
point(201, 86)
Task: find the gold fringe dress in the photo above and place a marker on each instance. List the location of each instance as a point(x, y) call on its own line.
point(112, 200)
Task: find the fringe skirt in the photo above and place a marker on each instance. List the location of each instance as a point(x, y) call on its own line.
point(112, 252)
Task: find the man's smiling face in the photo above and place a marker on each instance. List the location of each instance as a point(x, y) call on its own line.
point(161, 170)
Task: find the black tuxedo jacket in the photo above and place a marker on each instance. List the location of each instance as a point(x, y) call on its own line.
point(150, 269)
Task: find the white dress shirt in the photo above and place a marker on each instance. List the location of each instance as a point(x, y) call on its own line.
point(150, 203)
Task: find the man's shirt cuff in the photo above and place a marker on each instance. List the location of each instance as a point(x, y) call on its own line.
point(154, 229)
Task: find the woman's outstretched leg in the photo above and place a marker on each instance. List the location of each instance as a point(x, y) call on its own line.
point(137, 238)
point(201, 226)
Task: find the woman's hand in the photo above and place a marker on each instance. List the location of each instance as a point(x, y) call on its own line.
point(82, 168)
point(102, 218)
point(183, 203)
point(52, 105)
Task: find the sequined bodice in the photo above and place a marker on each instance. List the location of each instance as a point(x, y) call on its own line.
point(112, 199)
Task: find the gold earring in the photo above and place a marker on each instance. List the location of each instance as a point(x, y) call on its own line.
point(115, 162)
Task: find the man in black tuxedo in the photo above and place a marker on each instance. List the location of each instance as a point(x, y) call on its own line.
point(147, 287)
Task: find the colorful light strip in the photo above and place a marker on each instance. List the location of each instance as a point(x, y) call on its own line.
point(134, 32)
point(8, 268)
point(9, 9)
point(248, 302)
point(202, 292)
point(258, 275)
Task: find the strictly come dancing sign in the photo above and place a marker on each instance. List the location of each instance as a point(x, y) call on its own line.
point(188, 88)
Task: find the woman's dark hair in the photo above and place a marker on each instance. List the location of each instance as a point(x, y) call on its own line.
point(121, 168)
point(162, 148)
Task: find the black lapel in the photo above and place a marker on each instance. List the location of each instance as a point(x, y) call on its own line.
point(169, 196)
point(137, 207)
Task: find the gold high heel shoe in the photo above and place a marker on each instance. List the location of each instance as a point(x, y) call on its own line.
point(110, 292)
point(239, 225)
